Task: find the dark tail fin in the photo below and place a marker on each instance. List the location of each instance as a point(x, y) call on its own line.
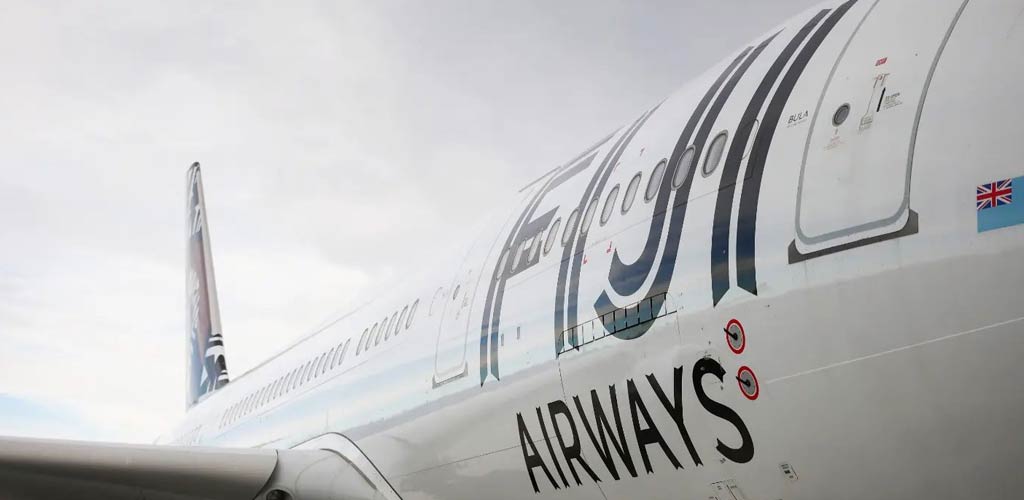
point(207, 368)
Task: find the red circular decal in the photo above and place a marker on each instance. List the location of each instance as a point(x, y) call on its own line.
point(748, 383)
point(735, 336)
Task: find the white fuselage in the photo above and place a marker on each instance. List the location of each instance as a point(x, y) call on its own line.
point(877, 331)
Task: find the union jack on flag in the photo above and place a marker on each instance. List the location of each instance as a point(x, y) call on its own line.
point(995, 194)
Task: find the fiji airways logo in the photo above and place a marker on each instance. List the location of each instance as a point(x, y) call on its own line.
point(596, 417)
point(624, 279)
point(650, 274)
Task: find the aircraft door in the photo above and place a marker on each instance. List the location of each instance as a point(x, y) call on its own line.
point(455, 301)
point(450, 355)
point(857, 163)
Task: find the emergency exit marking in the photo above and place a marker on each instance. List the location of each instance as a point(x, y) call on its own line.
point(788, 471)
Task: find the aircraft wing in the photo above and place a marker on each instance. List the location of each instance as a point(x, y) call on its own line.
point(38, 469)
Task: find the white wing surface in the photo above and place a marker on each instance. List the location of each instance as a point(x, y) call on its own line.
point(38, 469)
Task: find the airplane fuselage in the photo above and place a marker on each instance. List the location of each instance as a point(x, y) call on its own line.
point(812, 291)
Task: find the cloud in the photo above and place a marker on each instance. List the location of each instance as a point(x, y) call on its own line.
point(345, 145)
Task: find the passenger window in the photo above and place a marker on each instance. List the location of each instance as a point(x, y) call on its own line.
point(316, 367)
point(412, 312)
point(401, 320)
point(552, 234)
point(683, 169)
point(380, 333)
point(369, 338)
point(306, 373)
point(588, 216)
point(320, 365)
point(338, 355)
point(609, 204)
point(330, 359)
point(393, 326)
point(715, 153)
point(344, 352)
point(630, 194)
point(439, 293)
point(502, 259)
point(654, 183)
point(569, 229)
point(362, 340)
point(518, 257)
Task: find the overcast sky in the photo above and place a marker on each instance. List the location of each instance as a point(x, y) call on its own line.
point(338, 140)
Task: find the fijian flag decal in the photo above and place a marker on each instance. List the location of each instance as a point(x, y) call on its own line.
point(207, 367)
point(996, 206)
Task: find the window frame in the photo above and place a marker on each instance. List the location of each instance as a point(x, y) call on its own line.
point(724, 136)
point(412, 312)
point(391, 326)
point(658, 173)
point(629, 196)
point(569, 232)
point(609, 205)
point(549, 242)
point(683, 170)
point(589, 214)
